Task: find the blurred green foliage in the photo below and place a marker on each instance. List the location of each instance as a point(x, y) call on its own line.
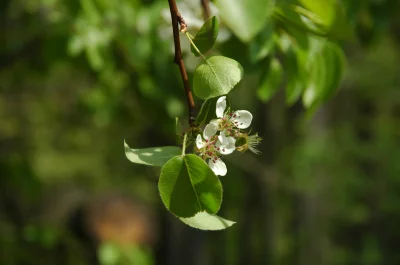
point(78, 77)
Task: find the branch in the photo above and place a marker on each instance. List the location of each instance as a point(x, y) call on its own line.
point(176, 19)
point(205, 4)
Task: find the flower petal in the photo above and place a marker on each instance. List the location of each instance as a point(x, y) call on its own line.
point(225, 145)
point(218, 167)
point(199, 142)
point(242, 118)
point(221, 105)
point(211, 129)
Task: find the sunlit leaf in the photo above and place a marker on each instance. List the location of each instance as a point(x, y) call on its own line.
point(188, 186)
point(216, 77)
point(154, 156)
point(109, 254)
point(245, 18)
point(271, 81)
point(293, 24)
point(206, 221)
point(324, 11)
point(94, 57)
point(206, 37)
point(326, 73)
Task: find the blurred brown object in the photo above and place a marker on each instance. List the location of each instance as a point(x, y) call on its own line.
point(119, 219)
point(112, 218)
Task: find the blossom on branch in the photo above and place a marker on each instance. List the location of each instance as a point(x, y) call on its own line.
point(220, 136)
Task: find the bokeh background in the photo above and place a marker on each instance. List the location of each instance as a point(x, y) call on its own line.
point(79, 77)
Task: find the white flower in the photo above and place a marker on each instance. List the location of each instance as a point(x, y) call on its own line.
point(210, 149)
point(212, 145)
point(240, 119)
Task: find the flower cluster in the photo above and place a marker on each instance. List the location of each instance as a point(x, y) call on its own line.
point(224, 135)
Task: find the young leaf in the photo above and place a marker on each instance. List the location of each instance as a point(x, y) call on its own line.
point(325, 75)
point(206, 221)
point(294, 67)
point(205, 38)
point(207, 111)
point(262, 45)
point(294, 25)
point(245, 18)
point(324, 10)
point(154, 156)
point(216, 76)
point(188, 186)
point(271, 81)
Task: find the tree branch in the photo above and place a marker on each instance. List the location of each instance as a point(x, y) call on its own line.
point(205, 4)
point(176, 19)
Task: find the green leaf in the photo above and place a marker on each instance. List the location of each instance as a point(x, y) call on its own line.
point(206, 37)
point(206, 221)
point(293, 24)
point(271, 81)
point(109, 254)
point(296, 24)
point(324, 10)
point(216, 76)
point(245, 18)
point(207, 111)
point(262, 45)
point(325, 75)
point(154, 156)
point(188, 186)
point(94, 57)
point(295, 82)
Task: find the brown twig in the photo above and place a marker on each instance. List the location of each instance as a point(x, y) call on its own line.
point(205, 4)
point(176, 19)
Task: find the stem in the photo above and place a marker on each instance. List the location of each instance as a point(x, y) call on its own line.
point(176, 19)
point(184, 144)
point(205, 4)
point(194, 45)
point(197, 50)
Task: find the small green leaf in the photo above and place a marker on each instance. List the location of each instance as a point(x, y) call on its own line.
point(188, 186)
point(293, 24)
point(245, 18)
point(324, 10)
point(271, 81)
point(207, 111)
point(262, 45)
point(206, 221)
point(206, 37)
point(295, 72)
point(109, 254)
point(94, 57)
point(325, 75)
point(217, 76)
point(154, 156)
